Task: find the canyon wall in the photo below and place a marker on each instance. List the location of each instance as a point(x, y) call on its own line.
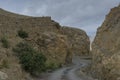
point(106, 48)
point(45, 36)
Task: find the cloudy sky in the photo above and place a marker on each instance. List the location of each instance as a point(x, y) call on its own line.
point(84, 14)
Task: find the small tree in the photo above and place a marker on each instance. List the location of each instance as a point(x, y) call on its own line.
point(31, 60)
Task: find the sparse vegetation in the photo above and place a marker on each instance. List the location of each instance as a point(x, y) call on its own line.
point(31, 60)
point(57, 25)
point(5, 42)
point(52, 66)
point(22, 34)
point(4, 64)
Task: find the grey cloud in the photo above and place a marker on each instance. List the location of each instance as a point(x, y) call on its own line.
point(85, 14)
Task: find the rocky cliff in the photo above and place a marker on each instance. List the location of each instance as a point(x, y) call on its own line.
point(78, 41)
point(106, 48)
point(57, 43)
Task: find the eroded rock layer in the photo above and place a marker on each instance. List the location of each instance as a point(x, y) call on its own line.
point(106, 48)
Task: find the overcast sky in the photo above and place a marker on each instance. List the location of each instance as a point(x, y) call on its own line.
point(84, 14)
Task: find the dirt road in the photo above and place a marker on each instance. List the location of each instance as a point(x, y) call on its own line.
point(72, 72)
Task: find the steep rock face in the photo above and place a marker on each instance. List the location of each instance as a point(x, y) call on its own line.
point(53, 45)
point(37, 30)
point(44, 34)
point(106, 48)
point(78, 41)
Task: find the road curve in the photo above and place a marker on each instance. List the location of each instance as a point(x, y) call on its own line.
point(70, 73)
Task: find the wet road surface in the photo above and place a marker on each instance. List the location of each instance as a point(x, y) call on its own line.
point(72, 72)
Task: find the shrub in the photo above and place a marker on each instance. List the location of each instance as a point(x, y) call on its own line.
point(22, 34)
point(5, 42)
point(52, 66)
point(31, 60)
point(57, 25)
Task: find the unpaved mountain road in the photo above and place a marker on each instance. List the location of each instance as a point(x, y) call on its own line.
point(72, 72)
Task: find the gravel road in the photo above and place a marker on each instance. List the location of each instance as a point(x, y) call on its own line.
point(70, 73)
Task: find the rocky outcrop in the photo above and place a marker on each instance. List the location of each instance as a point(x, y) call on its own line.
point(78, 41)
point(57, 43)
point(106, 48)
point(53, 45)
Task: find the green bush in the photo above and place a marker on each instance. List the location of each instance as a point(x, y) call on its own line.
point(52, 66)
point(31, 60)
point(22, 34)
point(5, 42)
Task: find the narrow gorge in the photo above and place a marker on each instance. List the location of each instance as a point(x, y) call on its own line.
point(39, 48)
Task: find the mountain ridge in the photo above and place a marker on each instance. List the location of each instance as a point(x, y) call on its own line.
point(45, 35)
